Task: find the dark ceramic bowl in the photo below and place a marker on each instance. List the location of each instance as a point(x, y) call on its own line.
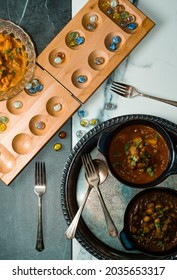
point(150, 222)
point(107, 142)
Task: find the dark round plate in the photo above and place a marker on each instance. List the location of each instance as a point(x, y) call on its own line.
point(91, 232)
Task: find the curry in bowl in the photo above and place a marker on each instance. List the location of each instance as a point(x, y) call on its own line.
point(13, 61)
point(151, 220)
point(138, 153)
point(17, 59)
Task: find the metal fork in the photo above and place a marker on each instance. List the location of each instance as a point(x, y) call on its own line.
point(129, 91)
point(40, 189)
point(93, 179)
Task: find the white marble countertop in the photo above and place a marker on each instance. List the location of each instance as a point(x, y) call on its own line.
point(151, 67)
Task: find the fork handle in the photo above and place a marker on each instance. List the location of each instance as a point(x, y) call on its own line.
point(70, 232)
point(110, 224)
point(171, 102)
point(39, 241)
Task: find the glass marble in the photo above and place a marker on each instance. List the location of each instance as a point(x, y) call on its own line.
point(91, 26)
point(34, 86)
point(3, 127)
point(82, 113)
point(105, 4)
point(57, 107)
point(99, 60)
point(132, 26)
point(116, 40)
point(93, 18)
point(40, 125)
point(57, 60)
point(93, 122)
point(123, 23)
point(114, 3)
point(124, 15)
point(73, 35)
point(82, 79)
point(116, 15)
point(62, 134)
point(113, 47)
point(4, 119)
point(84, 122)
point(80, 133)
point(28, 86)
point(130, 18)
point(57, 147)
point(79, 40)
point(17, 104)
point(109, 11)
point(120, 8)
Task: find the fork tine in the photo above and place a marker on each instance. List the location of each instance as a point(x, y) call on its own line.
point(43, 173)
point(118, 91)
point(121, 85)
point(40, 173)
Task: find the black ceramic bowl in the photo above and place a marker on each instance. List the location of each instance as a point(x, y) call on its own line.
point(150, 222)
point(157, 154)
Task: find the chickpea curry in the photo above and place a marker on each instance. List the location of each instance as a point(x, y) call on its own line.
point(13, 61)
point(153, 221)
point(138, 154)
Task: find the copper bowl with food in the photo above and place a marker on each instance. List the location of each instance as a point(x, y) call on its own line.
point(139, 153)
point(17, 59)
point(150, 222)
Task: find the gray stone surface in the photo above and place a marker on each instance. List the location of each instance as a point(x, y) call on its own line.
point(18, 204)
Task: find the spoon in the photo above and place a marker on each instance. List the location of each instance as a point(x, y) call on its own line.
point(102, 171)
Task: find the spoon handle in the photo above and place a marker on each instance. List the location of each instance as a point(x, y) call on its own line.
point(110, 224)
point(70, 232)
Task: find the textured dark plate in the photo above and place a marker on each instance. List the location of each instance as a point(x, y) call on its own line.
point(91, 232)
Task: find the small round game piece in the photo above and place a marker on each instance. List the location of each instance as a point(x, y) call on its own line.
point(116, 40)
point(93, 18)
point(99, 60)
point(114, 3)
point(62, 134)
point(17, 104)
point(93, 122)
point(132, 26)
point(57, 147)
point(4, 119)
point(3, 127)
point(80, 133)
point(40, 125)
point(82, 113)
point(82, 79)
point(57, 107)
point(84, 122)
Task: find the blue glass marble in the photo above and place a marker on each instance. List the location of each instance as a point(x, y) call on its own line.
point(32, 90)
point(79, 40)
point(81, 79)
point(116, 39)
point(39, 87)
point(132, 26)
point(113, 47)
point(109, 11)
point(82, 113)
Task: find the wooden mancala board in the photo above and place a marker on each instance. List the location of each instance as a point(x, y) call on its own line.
point(69, 69)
